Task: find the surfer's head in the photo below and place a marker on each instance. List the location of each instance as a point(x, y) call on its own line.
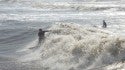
point(40, 29)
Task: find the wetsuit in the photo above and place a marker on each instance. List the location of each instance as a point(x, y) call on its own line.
point(104, 24)
point(41, 35)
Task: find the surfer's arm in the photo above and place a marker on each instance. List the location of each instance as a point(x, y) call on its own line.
point(48, 30)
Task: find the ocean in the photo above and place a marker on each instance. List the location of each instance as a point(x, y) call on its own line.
point(76, 40)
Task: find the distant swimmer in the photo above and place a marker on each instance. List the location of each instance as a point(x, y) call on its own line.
point(104, 24)
point(41, 35)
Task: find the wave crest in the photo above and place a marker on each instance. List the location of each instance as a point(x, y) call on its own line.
point(70, 45)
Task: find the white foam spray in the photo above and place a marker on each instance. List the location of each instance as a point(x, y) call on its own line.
point(70, 46)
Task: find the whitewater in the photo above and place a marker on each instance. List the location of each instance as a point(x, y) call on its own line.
point(75, 41)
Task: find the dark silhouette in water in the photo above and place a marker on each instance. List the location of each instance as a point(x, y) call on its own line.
point(41, 35)
point(104, 24)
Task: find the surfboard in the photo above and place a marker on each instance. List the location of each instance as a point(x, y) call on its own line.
point(35, 47)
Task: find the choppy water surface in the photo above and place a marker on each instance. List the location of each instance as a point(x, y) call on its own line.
point(76, 41)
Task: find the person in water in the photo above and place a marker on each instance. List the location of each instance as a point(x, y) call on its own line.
point(104, 24)
point(41, 35)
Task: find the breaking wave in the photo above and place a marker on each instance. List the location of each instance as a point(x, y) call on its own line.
point(70, 46)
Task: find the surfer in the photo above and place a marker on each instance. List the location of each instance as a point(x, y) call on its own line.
point(41, 35)
point(104, 24)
